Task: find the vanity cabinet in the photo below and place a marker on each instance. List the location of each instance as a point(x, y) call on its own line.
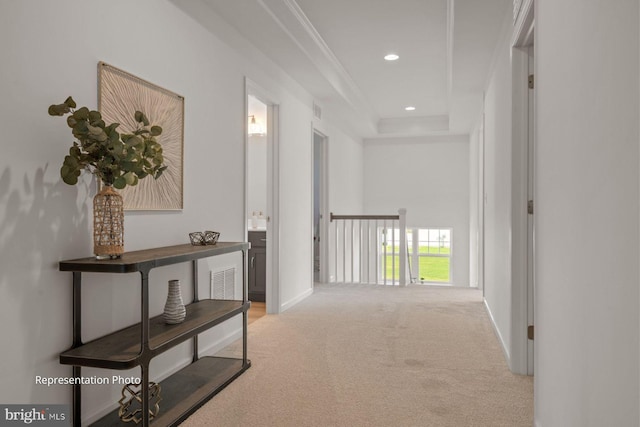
point(258, 266)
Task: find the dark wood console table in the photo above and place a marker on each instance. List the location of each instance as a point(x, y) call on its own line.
point(189, 388)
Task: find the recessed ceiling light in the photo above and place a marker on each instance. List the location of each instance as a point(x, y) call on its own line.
point(410, 108)
point(391, 57)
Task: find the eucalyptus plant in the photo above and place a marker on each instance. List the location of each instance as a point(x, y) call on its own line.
point(117, 159)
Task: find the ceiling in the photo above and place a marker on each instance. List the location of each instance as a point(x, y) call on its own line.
point(335, 50)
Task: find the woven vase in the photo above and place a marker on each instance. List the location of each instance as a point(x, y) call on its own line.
point(174, 310)
point(108, 224)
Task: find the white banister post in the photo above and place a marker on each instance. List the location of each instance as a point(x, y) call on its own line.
point(403, 246)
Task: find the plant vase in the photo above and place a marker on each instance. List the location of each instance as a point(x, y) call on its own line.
point(174, 310)
point(108, 224)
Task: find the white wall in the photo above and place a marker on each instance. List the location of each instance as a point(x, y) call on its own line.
point(345, 185)
point(587, 325)
point(497, 199)
point(43, 220)
point(429, 177)
point(474, 206)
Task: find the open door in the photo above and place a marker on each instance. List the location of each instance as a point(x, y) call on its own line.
point(319, 207)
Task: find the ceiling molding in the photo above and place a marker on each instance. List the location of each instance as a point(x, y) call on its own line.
point(450, 26)
point(413, 125)
point(422, 139)
point(523, 27)
point(288, 15)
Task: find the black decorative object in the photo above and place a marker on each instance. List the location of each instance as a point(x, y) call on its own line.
point(131, 402)
point(211, 237)
point(207, 238)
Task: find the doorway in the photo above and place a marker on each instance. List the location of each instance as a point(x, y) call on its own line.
point(319, 205)
point(261, 197)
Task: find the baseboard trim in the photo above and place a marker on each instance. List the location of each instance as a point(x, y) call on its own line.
point(287, 305)
point(505, 350)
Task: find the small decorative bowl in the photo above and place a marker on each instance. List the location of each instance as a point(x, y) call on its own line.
point(211, 237)
point(207, 238)
point(197, 238)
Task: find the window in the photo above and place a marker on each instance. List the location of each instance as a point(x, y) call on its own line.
point(429, 253)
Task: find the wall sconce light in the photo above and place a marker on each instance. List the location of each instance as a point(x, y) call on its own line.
point(255, 128)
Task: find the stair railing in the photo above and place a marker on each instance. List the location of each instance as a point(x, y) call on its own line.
point(361, 252)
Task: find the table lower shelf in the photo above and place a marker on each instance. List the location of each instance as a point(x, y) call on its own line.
point(185, 391)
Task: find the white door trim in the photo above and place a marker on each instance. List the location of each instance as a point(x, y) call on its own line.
point(521, 258)
point(273, 300)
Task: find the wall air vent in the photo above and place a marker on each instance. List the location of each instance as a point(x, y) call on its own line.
point(317, 111)
point(223, 284)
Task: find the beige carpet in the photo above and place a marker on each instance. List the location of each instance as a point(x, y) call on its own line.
point(353, 355)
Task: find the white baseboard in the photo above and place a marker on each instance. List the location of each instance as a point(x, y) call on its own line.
point(505, 350)
point(287, 305)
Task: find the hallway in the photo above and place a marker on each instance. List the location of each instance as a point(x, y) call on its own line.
point(361, 355)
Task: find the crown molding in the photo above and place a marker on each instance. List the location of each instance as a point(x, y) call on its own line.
point(413, 125)
point(288, 15)
point(450, 41)
point(524, 25)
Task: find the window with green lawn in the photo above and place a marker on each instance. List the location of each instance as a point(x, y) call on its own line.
point(429, 253)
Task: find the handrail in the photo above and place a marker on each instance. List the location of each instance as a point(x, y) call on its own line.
point(365, 217)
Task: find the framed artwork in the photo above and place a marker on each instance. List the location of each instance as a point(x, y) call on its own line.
point(120, 95)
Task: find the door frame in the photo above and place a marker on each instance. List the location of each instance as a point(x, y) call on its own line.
point(273, 298)
point(522, 257)
point(324, 203)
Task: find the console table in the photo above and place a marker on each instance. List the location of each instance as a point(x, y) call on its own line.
point(189, 388)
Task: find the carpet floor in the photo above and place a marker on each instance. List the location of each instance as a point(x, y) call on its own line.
point(360, 355)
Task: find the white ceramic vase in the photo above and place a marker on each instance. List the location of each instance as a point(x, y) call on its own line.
point(174, 310)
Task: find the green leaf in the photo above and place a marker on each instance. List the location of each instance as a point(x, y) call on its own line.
point(94, 116)
point(141, 118)
point(53, 111)
point(71, 161)
point(71, 122)
point(119, 183)
point(81, 113)
point(134, 141)
point(159, 172)
point(97, 133)
point(131, 178)
point(69, 175)
point(70, 102)
point(156, 130)
point(75, 151)
point(58, 110)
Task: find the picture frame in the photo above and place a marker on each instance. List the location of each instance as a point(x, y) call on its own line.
point(120, 95)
